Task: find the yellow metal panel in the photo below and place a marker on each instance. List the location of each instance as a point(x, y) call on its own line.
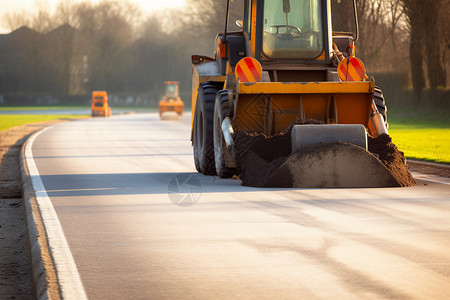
point(253, 29)
point(273, 107)
point(330, 29)
point(195, 84)
point(353, 108)
point(306, 88)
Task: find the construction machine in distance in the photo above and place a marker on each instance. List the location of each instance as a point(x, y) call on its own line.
point(171, 102)
point(100, 106)
point(286, 72)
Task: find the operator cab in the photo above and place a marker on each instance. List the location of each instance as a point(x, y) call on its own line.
point(171, 90)
point(299, 31)
point(297, 35)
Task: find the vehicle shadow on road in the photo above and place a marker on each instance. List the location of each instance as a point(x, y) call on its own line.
point(139, 184)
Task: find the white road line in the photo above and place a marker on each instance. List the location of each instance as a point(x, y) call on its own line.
point(68, 277)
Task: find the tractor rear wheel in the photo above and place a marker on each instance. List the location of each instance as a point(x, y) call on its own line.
point(380, 103)
point(203, 128)
point(221, 153)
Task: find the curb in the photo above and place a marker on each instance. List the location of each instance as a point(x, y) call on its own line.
point(441, 170)
point(428, 164)
point(45, 284)
point(54, 273)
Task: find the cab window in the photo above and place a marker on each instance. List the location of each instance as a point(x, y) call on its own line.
point(171, 89)
point(292, 29)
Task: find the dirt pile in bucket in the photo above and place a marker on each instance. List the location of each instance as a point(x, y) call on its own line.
point(266, 161)
point(258, 155)
point(392, 158)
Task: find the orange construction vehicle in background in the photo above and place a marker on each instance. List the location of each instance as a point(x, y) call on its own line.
point(171, 102)
point(100, 105)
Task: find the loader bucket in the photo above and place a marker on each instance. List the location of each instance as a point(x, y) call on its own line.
point(268, 162)
point(312, 135)
point(332, 165)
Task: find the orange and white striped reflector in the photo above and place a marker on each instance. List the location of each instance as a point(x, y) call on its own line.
point(351, 69)
point(248, 69)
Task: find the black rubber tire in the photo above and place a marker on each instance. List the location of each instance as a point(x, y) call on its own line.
point(221, 110)
point(195, 141)
point(380, 103)
point(203, 128)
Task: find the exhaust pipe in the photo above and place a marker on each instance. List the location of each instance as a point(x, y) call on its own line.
point(378, 121)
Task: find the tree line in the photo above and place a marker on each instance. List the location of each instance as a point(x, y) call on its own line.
point(111, 45)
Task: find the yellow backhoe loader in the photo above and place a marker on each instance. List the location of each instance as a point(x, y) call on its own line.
point(171, 102)
point(286, 76)
point(100, 106)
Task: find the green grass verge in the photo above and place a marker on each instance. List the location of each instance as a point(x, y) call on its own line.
point(15, 108)
point(419, 136)
point(9, 121)
point(425, 137)
point(88, 107)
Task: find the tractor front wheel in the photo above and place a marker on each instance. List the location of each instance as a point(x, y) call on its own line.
point(203, 129)
point(222, 154)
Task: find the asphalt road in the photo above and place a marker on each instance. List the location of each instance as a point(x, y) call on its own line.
point(142, 224)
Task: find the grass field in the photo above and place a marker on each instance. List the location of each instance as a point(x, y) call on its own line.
point(422, 137)
point(16, 108)
point(9, 121)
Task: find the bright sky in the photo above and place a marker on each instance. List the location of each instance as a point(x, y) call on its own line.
point(7, 6)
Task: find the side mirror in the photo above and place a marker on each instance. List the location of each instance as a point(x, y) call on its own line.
point(239, 24)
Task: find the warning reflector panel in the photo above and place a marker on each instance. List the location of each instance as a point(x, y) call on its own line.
point(248, 69)
point(351, 69)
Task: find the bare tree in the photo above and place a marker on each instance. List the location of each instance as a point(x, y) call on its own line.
point(42, 20)
point(65, 13)
point(108, 32)
point(379, 22)
point(429, 24)
point(15, 20)
point(207, 18)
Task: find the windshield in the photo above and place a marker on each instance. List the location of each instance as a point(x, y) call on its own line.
point(171, 89)
point(292, 29)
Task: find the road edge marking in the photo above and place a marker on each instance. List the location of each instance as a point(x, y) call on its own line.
point(55, 274)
